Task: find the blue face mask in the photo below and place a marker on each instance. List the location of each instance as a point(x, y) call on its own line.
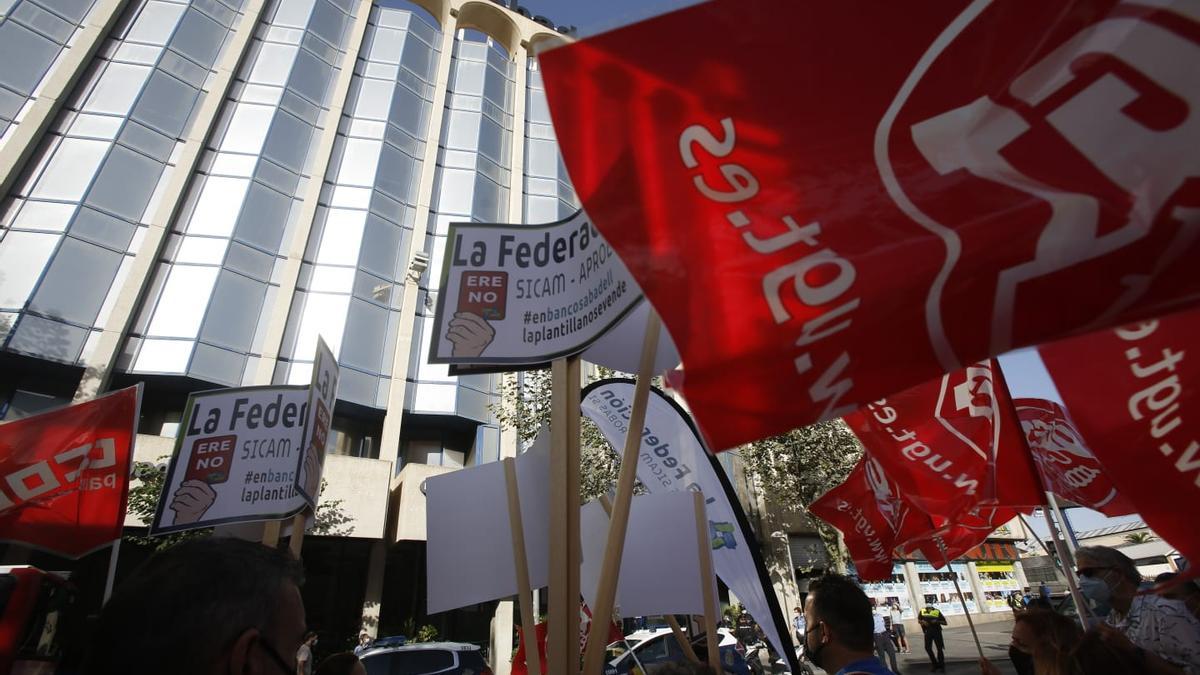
point(1098, 594)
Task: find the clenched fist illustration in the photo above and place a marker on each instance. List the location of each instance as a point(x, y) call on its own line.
point(191, 500)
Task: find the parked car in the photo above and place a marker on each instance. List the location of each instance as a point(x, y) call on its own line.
point(426, 658)
point(661, 647)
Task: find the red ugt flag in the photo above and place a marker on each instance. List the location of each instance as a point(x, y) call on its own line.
point(1067, 467)
point(66, 474)
point(1134, 395)
point(830, 202)
point(872, 516)
point(952, 444)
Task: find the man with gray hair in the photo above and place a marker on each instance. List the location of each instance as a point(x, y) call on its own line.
point(204, 607)
point(1161, 627)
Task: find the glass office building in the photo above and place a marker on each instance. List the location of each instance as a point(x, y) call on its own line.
point(193, 191)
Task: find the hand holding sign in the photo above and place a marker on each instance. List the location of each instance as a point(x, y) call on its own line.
point(191, 500)
point(470, 334)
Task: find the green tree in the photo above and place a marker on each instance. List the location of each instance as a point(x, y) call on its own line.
point(794, 469)
point(524, 407)
point(1138, 538)
point(331, 519)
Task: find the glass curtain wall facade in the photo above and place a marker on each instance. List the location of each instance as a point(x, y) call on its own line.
point(194, 190)
point(204, 316)
point(78, 216)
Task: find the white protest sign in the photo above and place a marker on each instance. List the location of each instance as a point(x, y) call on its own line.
point(621, 347)
point(660, 573)
point(673, 459)
point(524, 294)
point(322, 394)
point(235, 459)
point(469, 553)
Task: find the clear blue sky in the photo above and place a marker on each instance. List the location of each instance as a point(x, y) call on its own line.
point(597, 16)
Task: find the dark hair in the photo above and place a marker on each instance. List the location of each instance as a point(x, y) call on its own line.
point(182, 609)
point(338, 664)
point(1057, 635)
point(840, 603)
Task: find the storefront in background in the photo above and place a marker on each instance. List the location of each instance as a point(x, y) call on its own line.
point(892, 591)
point(997, 580)
point(937, 587)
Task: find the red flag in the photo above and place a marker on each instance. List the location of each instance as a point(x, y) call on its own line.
point(872, 516)
point(830, 202)
point(954, 539)
point(67, 474)
point(1134, 395)
point(952, 444)
point(1067, 467)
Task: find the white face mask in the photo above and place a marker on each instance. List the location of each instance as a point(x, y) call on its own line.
point(1098, 594)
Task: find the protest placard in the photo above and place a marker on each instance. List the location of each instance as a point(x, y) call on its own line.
point(322, 394)
point(235, 459)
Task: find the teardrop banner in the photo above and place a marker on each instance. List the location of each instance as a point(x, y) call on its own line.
point(672, 458)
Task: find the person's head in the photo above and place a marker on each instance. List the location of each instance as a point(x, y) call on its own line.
point(310, 638)
point(1106, 577)
point(840, 626)
point(345, 663)
point(797, 610)
point(202, 607)
point(1046, 636)
point(364, 637)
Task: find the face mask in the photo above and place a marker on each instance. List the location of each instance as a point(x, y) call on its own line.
point(1022, 662)
point(814, 653)
point(1098, 594)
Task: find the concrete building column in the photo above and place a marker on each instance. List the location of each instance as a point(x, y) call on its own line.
point(390, 439)
point(374, 593)
point(1019, 572)
point(99, 365)
point(914, 586)
point(981, 606)
point(501, 638)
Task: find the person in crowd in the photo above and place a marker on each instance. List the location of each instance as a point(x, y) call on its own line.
point(898, 635)
point(931, 620)
point(840, 628)
point(345, 663)
point(883, 637)
point(1163, 627)
point(798, 624)
point(1042, 641)
point(1015, 602)
point(1187, 592)
point(203, 607)
point(304, 655)
point(1106, 651)
point(364, 643)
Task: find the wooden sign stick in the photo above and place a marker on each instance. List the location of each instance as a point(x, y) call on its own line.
point(533, 664)
point(619, 522)
point(676, 630)
point(271, 533)
point(562, 640)
point(708, 591)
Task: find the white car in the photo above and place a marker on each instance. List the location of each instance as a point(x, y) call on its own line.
point(650, 647)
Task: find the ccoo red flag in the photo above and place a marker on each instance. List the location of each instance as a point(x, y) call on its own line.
point(1134, 395)
point(951, 444)
point(830, 202)
point(1067, 467)
point(68, 474)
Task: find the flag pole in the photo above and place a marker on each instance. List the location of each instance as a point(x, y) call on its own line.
point(112, 570)
point(615, 544)
point(707, 583)
point(676, 629)
point(562, 641)
point(1070, 541)
point(1068, 563)
point(961, 600)
point(533, 664)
